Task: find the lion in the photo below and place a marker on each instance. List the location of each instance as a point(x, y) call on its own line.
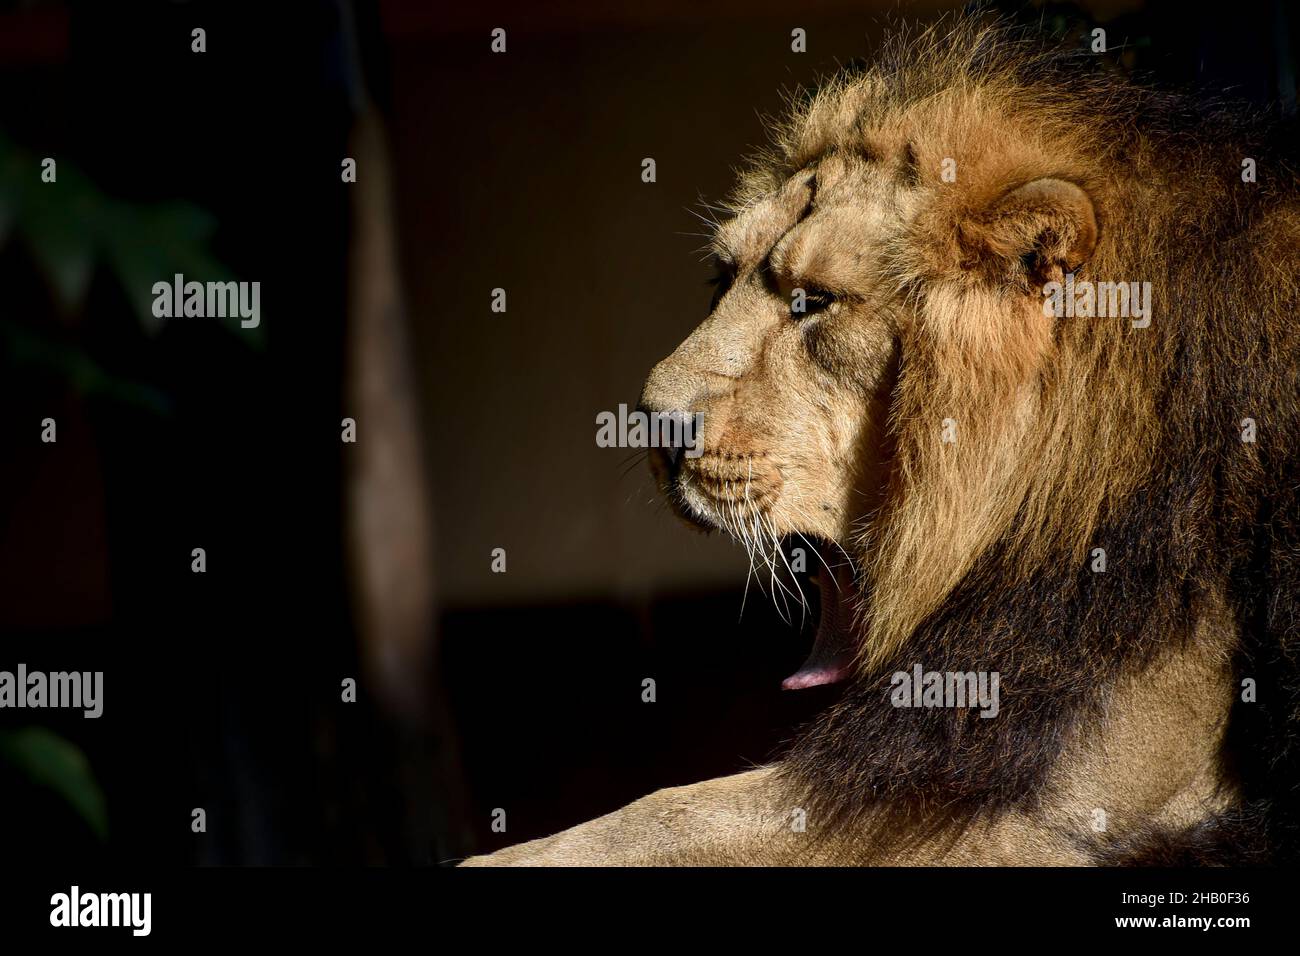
point(1094, 506)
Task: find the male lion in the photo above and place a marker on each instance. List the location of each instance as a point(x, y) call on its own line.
point(1099, 510)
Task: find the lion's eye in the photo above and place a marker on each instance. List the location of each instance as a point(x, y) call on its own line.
point(810, 301)
point(721, 286)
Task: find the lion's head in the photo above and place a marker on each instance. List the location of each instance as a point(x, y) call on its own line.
point(877, 372)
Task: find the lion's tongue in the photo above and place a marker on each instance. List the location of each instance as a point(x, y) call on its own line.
point(832, 654)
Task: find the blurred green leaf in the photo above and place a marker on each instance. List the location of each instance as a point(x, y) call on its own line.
point(27, 349)
point(72, 226)
point(60, 229)
point(52, 761)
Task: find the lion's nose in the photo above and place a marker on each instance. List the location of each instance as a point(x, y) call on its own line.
point(675, 436)
point(673, 429)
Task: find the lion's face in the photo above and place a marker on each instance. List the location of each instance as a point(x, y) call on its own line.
point(873, 374)
point(793, 389)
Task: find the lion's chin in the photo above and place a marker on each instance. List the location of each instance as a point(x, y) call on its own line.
point(833, 648)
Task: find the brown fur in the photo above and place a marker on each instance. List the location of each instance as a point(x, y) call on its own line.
point(1072, 434)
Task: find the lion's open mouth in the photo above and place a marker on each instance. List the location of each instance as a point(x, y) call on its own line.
point(831, 659)
point(824, 567)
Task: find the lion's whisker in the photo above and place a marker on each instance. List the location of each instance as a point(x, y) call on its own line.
point(803, 600)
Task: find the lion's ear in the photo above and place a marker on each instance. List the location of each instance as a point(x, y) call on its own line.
point(1044, 228)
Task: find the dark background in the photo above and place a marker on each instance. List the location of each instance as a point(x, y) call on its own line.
point(520, 171)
